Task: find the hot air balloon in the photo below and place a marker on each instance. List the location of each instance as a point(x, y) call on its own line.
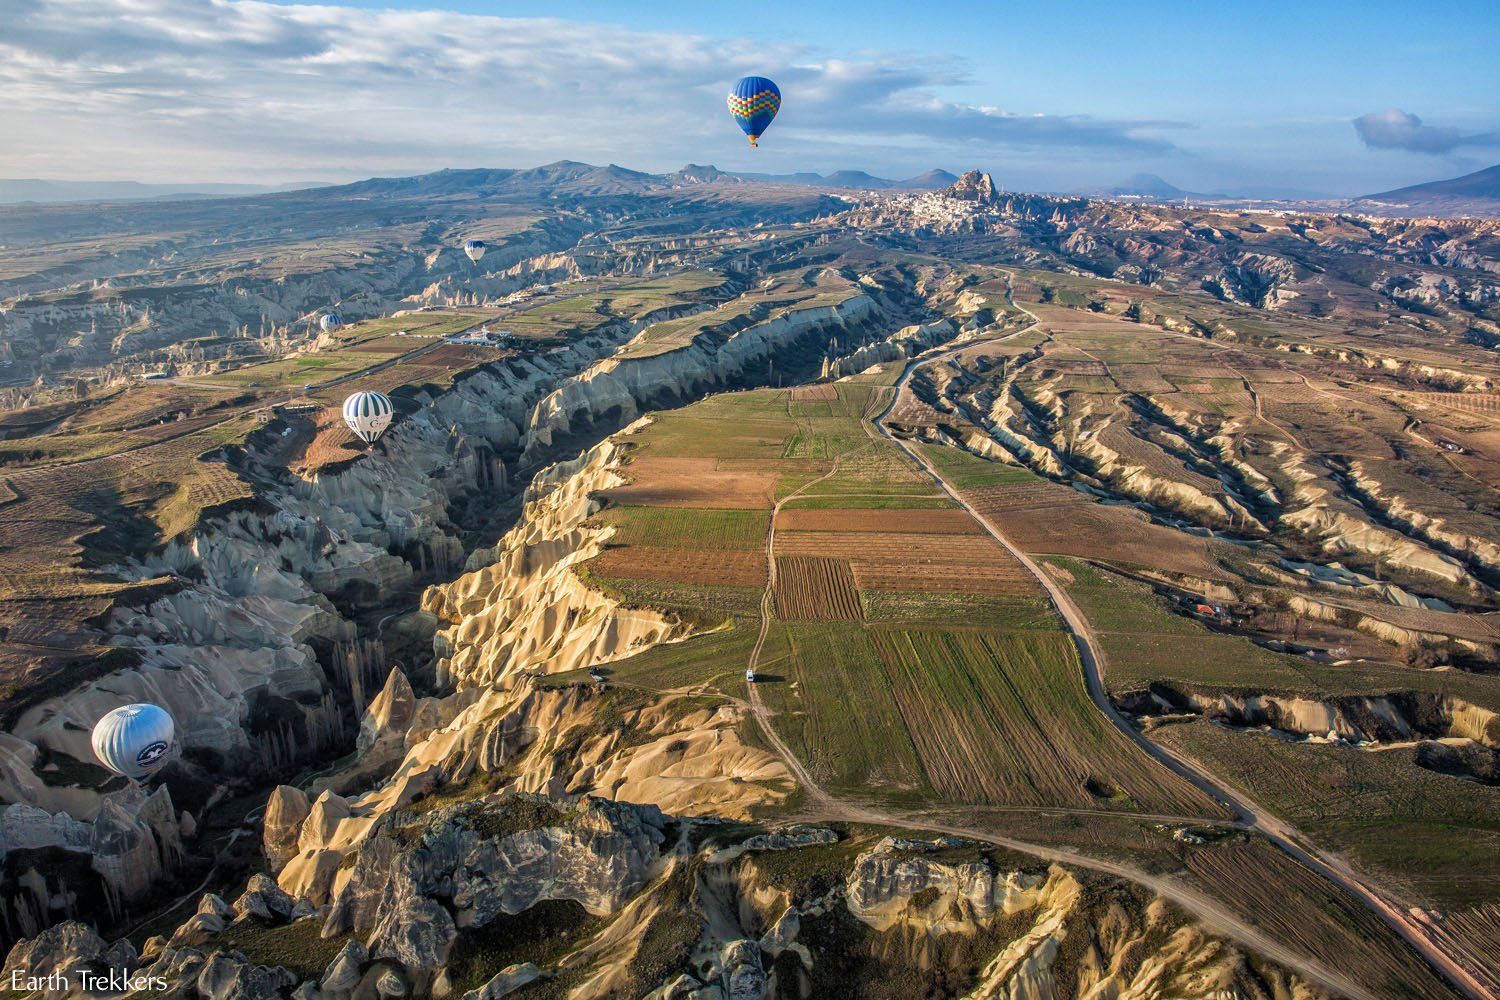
point(368, 414)
point(754, 102)
point(134, 740)
point(331, 321)
point(475, 249)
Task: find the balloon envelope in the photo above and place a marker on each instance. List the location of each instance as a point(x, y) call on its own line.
point(753, 103)
point(368, 414)
point(475, 249)
point(331, 321)
point(134, 740)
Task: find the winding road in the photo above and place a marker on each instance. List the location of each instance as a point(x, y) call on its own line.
point(1250, 815)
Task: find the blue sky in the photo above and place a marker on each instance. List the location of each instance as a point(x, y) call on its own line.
point(1055, 96)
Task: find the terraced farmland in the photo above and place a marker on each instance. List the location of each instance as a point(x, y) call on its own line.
point(1483, 403)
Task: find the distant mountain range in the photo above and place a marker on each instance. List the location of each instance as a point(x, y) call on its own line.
point(563, 177)
point(855, 179)
point(1151, 187)
point(1477, 193)
point(1473, 194)
point(13, 190)
point(1143, 186)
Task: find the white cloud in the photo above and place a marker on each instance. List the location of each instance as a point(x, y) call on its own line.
point(1396, 129)
point(246, 90)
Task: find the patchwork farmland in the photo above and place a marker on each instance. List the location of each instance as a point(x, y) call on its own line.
point(911, 657)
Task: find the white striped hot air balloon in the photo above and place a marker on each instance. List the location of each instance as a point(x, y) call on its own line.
point(330, 322)
point(135, 740)
point(368, 414)
point(475, 249)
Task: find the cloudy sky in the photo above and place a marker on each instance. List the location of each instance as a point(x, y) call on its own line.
point(1319, 97)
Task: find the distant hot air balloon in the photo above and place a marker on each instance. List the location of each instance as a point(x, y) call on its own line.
point(754, 102)
point(331, 322)
point(368, 414)
point(475, 249)
point(134, 740)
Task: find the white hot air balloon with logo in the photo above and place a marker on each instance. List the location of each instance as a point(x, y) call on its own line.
point(474, 249)
point(368, 414)
point(135, 740)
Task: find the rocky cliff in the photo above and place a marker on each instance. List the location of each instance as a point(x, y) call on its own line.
point(639, 905)
point(253, 647)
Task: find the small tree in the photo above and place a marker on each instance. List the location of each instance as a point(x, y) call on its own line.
point(1424, 654)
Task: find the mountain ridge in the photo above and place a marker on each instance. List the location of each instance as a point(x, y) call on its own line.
point(1480, 185)
point(561, 176)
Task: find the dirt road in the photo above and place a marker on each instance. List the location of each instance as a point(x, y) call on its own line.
point(1252, 816)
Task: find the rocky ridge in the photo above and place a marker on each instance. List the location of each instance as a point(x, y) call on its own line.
point(674, 912)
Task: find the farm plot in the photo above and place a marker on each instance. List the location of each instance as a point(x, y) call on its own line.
point(815, 588)
point(1477, 932)
point(968, 472)
point(330, 442)
point(679, 482)
point(687, 527)
point(1022, 496)
point(1144, 379)
point(876, 467)
point(1075, 525)
point(709, 567)
point(910, 411)
point(1293, 904)
point(1428, 833)
point(908, 561)
point(1002, 719)
point(1486, 404)
point(1144, 641)
point(117, 506)
point(948, 521)
point(827, 669)
point(818, 392)
point(1077, 368)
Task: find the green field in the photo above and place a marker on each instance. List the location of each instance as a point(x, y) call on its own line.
point(1431, 836)
point(688, 527)
point(1145, 641)
point(1434, 838)
point(964, 471)
point(988, 717)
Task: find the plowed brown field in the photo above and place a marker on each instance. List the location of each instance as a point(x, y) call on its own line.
point(714, 567)
point(822, 391)
point(815, 588)
point(691, 482)
point(908, 561)
point(1020, 496)
point(1048, 518)
point(934, 522)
